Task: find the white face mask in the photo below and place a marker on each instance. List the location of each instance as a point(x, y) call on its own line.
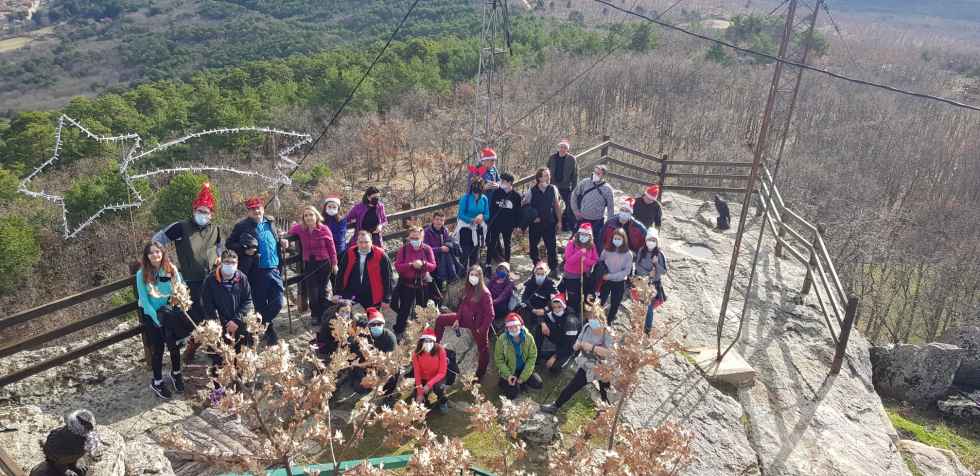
point(625, 217)
point(558, 312)
point(415, 243)
point(202, 219)
point(651, 244)
point(364, 252)
point(514, 332)
point(539, 278)
point(596, 177)
point(332, 211)
point(506, 188)
point(617, 242)
point(474, 280)
point(228, 270)
point(427, 346)
point(584, 238)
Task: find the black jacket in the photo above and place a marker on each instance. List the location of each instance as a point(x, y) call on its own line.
point(505, 209)
point(647, 213)
point(230, 302)
point(247, 225)
point(538, 297)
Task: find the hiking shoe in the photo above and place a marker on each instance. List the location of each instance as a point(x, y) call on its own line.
point(178, 379)
point(161, 391)
point(550, 408)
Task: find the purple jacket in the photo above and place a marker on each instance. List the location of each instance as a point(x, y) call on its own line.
point(476, 315)
point(404, 258)
point(434, 239)
point(500, 290)
point(356, 217)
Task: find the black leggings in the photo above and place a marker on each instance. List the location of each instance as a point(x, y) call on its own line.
point(616, 289)
point(513, 391)
point(159, 338)
point(408, 297)
point(471, 250)
point(576, 384)
point(494, 249)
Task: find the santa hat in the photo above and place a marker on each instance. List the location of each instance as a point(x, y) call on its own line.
point(374, 315)
point(204, 198)
point(564, 142)
point(559, 297)
point(487, 154)
point(428, 334)
point(254, 202)
point(627, 205)
point(653, 192)
point(505, 265)
point(335, 199)
point(585, 228)
point(513, 319)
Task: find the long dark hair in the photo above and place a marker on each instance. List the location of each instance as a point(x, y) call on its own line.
point(367, 193)
point(146, 266)
point(435, 348)
point(474, 293)
point(538, 174)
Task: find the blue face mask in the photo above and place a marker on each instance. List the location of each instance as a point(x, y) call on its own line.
point(228, 270)
point(376, 330)
point(617, 242)
point(415, 243)
point(594, 323)
point(501, 274)
point(539, 279)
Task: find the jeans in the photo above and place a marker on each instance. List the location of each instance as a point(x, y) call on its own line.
point(317, 273)
point(648, 323)
point(616, 289)
point(159, 339)
point(545, 231)
point(480, 336)
point(576, 384)
point(267, 297)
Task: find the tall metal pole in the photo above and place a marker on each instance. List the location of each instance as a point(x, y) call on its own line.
point(760, 147)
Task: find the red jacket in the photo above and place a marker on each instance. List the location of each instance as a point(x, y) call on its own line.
point(408, 254)
point(317, 244)
point(636, 233)
point(378, 270)
point(429, 369)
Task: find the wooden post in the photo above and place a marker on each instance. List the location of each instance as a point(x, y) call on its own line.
point(604, 151)
point(663, 176)
point(302, 304)
point(808, 279)
point(144, 335)
point(780, 234)
point(845, 333)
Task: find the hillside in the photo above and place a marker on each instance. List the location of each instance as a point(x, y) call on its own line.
point(968, 10)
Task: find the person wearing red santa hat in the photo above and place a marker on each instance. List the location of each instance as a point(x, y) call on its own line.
point(199, 246)
point(560, 327)
point(647, 209)
point(379, 338)
point(564, 176)
point(430, 364)
point(515, 354)
point(635, 231)
point(486, 170)
point(581, 254)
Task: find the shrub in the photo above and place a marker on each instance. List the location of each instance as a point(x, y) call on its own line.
point(173, 202)
point(90, 194)
point(19, 252)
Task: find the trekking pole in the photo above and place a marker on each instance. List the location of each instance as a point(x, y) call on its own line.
point(285, 287)
point(581, 284)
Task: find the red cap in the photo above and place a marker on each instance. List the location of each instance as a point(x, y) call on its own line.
point(512, 319)
point(487, 154)
point(428, 334)
point(560, 297)
point(204, 198)
point(254, 202)
point(653, 191)
point(374, 315)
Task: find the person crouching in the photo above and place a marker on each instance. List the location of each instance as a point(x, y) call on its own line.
point(515, 354)
point(429, 367)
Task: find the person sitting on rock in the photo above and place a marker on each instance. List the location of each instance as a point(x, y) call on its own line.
point(501, 288)
point(429, 367)
point(447, 252)
point(651, 263)
point(380, 339)
point(66, 445)
point(560, 328)
point(635, 231)
point(476, 314)
point(537, 290)
point(595, 345)
point(515, 354)
point(325, 341)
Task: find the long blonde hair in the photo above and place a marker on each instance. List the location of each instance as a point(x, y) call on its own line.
point(313, 210)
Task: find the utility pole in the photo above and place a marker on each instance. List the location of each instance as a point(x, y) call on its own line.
point(494, 40)
point(776, 121)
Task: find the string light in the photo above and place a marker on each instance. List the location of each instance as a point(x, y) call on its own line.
point(283, 166)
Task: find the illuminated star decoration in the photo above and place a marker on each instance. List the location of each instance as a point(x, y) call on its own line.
point(283, 166)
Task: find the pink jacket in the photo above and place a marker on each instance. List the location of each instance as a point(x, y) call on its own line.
point(577, 259)
point(317, 244)
point(476, 315)
point(404, 258)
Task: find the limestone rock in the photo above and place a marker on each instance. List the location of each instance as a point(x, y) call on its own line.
point(968, 338)
point(962, 408)
point(110, 458)
point(144, 458)
point(931, 461)
point(540, 429)
point(919, 374)
point(467, 354)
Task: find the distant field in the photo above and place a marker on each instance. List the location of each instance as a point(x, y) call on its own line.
point(968, 10)
point(17, 42)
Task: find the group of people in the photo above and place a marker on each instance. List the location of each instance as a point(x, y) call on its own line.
point(542, 323)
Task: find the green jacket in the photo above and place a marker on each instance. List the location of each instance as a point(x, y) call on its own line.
point(506, 359)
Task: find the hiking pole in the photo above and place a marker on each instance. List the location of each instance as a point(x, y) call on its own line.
point(581, 284)
point(285, 279)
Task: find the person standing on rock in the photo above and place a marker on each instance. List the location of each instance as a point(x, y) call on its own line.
point(430, 364)
point(651, 263)
point(635, 231)
point(264, 279)
point(724, 216)
point(560, 327)
point(447, 252)
point(515, 354)
point(198, 244)
point(505, 210)
point(592, 201)
point(472, 214)
point(414, 262)
point(618, 261)
point(227, 297)
point(537, 289)
point(369, 215)
point(475, 313)
point(365, 274)
point(546, 200)
point(647, 209)
point(564, 175)
point(336, 222)
point(154, 285)
point(319, 259)
point(581, 255)
point(594, 345)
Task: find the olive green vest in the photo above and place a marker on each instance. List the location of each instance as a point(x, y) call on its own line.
point(196, 252)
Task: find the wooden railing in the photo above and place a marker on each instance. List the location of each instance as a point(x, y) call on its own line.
point(672, 175)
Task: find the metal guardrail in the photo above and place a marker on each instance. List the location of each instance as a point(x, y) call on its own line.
point(328, 469)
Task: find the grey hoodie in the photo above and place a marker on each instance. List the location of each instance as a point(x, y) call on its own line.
point(596, 204)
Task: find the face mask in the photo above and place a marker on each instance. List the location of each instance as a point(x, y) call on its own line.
point(506, 188)
point(427, 347)
point(228, 270)
point(501, 274)
point(376, 330)
point(202, 219)
point(375, 200)
point(651, 245)
point(539, 278)
point(514, 332)
point(416, 243)
point(583, 238)
point(625, 217)
point(558, 312)
point(594, 323)
point(474, 280)
point(617, 242)
point(364, 252)
point(596, 177)
point(332, 211)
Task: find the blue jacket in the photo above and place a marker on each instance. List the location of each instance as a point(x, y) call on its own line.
point(469, 208)
point(339, 230)
point(150, 304)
